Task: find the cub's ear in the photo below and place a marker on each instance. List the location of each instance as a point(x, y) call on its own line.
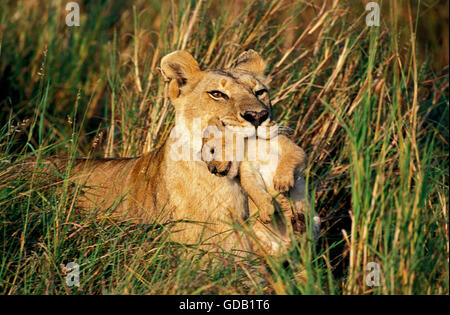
point(252, 62)
point(178, 67)
point(215, 128)
point(216, 122)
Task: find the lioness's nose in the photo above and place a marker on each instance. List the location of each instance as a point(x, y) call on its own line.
point(256, 118)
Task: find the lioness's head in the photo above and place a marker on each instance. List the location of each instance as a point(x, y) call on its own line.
point(238, 95)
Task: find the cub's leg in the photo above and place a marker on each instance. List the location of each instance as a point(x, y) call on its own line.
point(292, 158)
point(253, 184)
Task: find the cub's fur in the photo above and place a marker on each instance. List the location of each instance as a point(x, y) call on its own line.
point(267, 176)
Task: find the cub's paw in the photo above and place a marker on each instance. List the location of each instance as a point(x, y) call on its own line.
point(265, 214)
point(283, 183)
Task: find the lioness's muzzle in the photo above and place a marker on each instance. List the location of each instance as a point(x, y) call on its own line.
point(256, 118)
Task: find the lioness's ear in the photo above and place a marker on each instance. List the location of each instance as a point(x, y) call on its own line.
point(178, 67)
point(252, 62)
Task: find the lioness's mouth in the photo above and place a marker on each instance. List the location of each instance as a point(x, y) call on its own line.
point(237, 127)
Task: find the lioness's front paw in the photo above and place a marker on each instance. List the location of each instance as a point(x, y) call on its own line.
point(283, 183)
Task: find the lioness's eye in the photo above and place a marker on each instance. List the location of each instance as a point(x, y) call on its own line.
point(260, 92)
point(218, 94)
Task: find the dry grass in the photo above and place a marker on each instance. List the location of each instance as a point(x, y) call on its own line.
point(368, 104)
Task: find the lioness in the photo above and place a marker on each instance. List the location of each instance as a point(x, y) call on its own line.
point(161, 185)
point(164, 187)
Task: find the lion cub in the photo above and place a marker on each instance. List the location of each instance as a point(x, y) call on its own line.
point(263, 177)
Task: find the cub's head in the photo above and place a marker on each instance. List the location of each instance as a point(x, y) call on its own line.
point(214, 146)
point(238, 95)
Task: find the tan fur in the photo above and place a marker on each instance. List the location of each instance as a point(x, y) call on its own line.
point(157, 187)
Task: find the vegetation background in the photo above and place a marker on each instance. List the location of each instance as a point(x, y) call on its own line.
point(370, 106)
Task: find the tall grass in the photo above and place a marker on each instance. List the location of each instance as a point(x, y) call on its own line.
point(368, 104)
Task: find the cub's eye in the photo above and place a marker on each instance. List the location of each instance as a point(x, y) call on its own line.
point(218, 95)
point(260, 92)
